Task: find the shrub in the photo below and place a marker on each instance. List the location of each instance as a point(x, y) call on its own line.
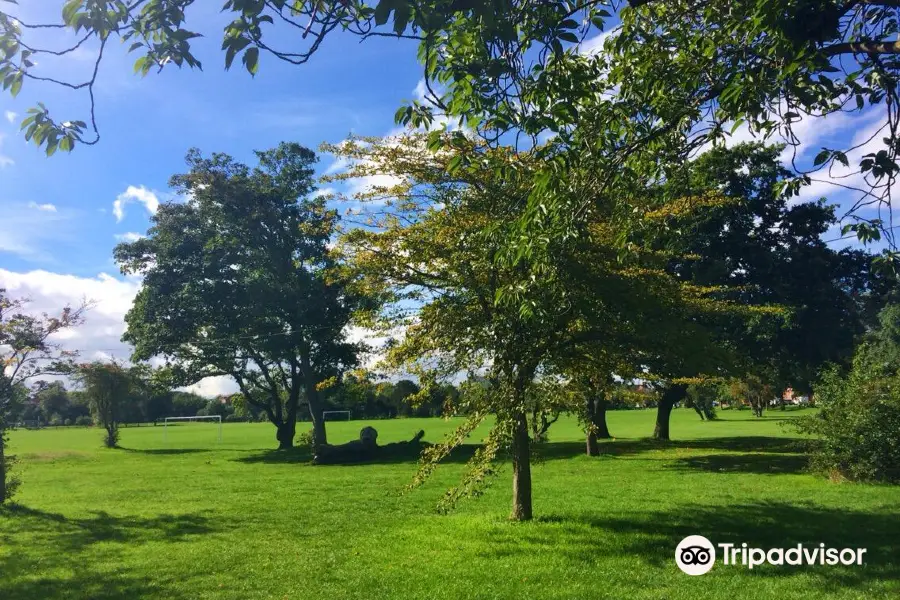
point(111, 438)
point(83, 421)
point(859, 417)
point(856, 427)
point(12, 481)
point(305, 438)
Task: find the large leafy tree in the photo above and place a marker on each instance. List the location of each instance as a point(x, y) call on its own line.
point(238, 280)
point(770, 251)
point(434, 247)
point(28, 351)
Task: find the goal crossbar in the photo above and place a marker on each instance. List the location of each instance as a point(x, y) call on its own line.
point(335, 412)
point(205, 418)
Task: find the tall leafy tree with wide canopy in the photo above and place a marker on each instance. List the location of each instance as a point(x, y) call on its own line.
point(772, 251)
point(238, 280)
point(432, 244)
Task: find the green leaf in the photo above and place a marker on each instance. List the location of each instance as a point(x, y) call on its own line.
point(821, 157)
point(383, 11)
point(401, 17)
point(251, 60)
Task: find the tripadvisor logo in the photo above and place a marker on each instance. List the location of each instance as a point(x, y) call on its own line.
point(696, 555)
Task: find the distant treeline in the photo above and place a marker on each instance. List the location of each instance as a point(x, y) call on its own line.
point(52, 404)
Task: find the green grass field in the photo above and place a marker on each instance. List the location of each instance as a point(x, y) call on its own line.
point(192, 518)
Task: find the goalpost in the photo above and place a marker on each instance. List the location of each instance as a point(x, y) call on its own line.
point(325, 414)
point(208, 418)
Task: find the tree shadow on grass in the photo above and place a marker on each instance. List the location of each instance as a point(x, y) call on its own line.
point(762, 464)
point(651, 536)
point(779, 445)
point(165, 451)
point(298, 455)
point(410, 454)
point(60, 544)
point(541, 452)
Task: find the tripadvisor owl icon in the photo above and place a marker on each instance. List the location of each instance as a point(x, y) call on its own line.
point(695, 555)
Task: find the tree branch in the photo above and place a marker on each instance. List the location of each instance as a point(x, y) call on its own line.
point(862, 47)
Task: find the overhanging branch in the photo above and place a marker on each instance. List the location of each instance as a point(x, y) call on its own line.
point(862, 48)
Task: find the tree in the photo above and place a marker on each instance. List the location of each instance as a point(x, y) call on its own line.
point(772, 252)
point(239, 281)
point(27, 351)
point(400, 394)
point(108, 388)
point(702, 398)
point(441, 261)
point(186, 404)
point(442, 244)
point(52, 399)
point(855, 430)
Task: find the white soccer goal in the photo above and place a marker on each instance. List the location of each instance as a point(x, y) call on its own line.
point(325, 414)
point(208, 418)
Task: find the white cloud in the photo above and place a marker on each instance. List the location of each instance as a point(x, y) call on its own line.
point(214, 386)
point(105, 322)
point(42, 207)
point(135, 194)
point(339, 164)
point(29, 233)
point(99, 338)
point(10, 116)
point(129, 236)
point(833, 183)
point(5, 161)
point(420, 90)
point(325, 191)
point(594, 45)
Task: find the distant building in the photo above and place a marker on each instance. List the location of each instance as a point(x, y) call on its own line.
point(790, 397)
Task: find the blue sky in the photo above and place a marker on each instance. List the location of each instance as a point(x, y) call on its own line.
point(58, 216)
point(147, 124)
point(61, 216)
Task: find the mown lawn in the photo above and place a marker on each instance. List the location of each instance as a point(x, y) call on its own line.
point(193, 519)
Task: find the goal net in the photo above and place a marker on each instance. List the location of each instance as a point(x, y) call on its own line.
point(174, 420)
point(335, 415)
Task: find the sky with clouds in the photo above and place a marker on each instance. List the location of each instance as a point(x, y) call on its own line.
point(60, 217)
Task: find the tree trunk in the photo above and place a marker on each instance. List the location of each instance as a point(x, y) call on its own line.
point(667, 401)
point(284, 433)
point(3, 474)
point(600, 420)
point(320, 436)
point(597, 428)
point(663, 411)
point(592, 446)
point(521, 455)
